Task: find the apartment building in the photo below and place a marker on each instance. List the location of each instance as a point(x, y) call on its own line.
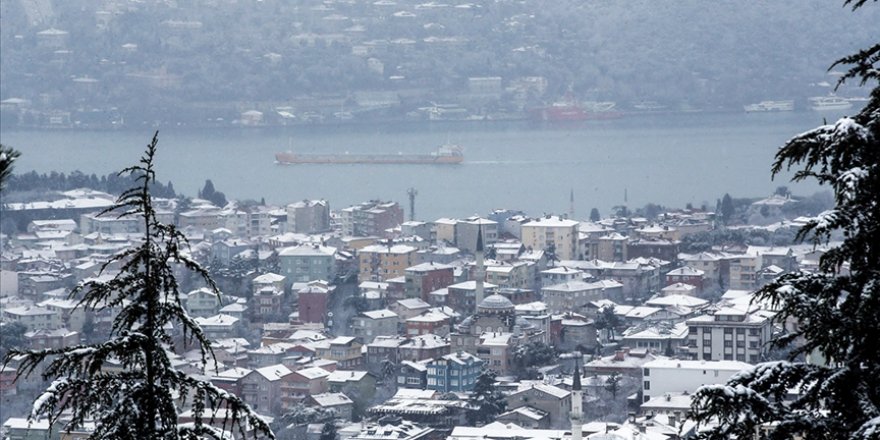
point(731, 333)
point(371, 218)
point(380, 262)
point(466, 233)
point(367, 325)
point(308, 216)
point(308, 263)
point(552, 232)
point(662, 376)
point(425, 278)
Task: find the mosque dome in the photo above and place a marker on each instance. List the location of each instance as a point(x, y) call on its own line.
point(524, 323)
point(496, 303)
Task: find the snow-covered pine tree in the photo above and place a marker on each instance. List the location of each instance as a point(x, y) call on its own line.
point(144, 399)
point(836, 311)
point(8, 155)
point(486, 400)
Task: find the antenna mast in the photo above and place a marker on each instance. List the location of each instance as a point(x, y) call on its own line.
point(412, 193)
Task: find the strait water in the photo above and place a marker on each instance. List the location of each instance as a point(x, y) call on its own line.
point(669, 159)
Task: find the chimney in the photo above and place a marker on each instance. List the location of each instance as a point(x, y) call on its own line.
point(619, 355)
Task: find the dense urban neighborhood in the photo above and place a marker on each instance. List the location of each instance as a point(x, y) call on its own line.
point(619, 258)
point(387, 328)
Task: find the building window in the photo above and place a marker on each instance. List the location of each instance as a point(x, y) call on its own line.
point(647, 372)
point(647, 384)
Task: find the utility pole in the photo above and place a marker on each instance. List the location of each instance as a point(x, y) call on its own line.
point(412, 193)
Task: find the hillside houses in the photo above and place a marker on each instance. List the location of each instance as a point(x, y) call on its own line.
point(310, 315)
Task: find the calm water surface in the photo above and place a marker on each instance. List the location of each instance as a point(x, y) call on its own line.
point(666, 159)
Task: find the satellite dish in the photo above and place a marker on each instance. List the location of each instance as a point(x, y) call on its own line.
point(329, 314)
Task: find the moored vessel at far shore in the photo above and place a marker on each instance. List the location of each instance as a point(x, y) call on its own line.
point(569, 109)
point(445, 155)
point(770, 106)
point(824, 103)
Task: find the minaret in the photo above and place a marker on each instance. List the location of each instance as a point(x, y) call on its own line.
point(577, 399)
point(571, 204)
point(480, 270)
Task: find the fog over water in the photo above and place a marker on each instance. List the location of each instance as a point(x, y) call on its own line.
point(669, 159)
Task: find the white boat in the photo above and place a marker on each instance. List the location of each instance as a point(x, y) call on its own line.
point(599, 106)
point(649, 106)
point(770, 106)
point(824, 103)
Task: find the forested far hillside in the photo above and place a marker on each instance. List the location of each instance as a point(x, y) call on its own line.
point(203, 58)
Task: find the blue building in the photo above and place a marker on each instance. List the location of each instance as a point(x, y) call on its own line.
point(454, 372)
point(302, 264)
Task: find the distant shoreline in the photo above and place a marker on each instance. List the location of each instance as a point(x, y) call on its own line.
point(521, 122)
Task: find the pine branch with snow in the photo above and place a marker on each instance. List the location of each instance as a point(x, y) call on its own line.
point(127, 385)
point(832, 317)
point(8, 155)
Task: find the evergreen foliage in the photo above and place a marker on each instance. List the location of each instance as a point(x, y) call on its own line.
point(292, 424)
point(357, 302)
point(11, 336)
point(594, 215)
point(144, 398)
point(486, 400)
point(608, 320)
point(612, 384)
point(705, 240)
point(652, 210)
point(528, 356)
point(328, 432)
point(300, 414)
point(727, 208)
point(112, 183)
point(212, 195)
point(8, 155)
point(837, 311)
